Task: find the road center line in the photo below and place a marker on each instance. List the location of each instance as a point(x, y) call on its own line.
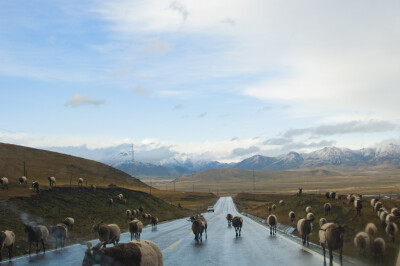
point(174, 245)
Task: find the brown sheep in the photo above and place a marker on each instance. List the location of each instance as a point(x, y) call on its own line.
point(154, 221)
point(38, 233)
point(201, 217)
point(69, 222)
point(292, 216)
point(237, 223)
point(327, 208)
point(272, 221)
point(135, 228)
point(371, 230)
point(310, 216)
point(107, 233)
point(142, 252)
point(332, 195)
point(331, 237)
point(391, 230)
point(322, 221)
point(378, 247)
point(304, 228)
point(128, 213)
point(59, 232)
point(362, 242)
point(198, 227)
point(7, 240)
point(229, 217)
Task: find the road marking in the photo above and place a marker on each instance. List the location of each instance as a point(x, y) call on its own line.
point(174, 245)
point(303, 247)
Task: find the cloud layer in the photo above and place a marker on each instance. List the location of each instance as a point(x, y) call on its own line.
point(79, 99)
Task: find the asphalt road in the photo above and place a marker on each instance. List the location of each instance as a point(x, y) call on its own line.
point(255, 246)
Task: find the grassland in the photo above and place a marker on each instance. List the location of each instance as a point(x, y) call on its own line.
point(50, 207)
point(342, 213)
point(379, 179)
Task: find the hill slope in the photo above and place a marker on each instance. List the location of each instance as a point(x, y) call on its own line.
point(41, 164)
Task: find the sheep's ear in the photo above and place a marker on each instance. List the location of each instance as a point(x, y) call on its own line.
point(89, 245)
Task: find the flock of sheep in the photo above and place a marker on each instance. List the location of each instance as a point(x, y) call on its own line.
point(331, 235)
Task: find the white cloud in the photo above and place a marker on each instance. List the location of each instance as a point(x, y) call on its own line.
point(157, 46)
point(79, 100)
point(139, 90)
point(178, 106)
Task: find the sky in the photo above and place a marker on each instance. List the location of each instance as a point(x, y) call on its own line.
point(211, 80)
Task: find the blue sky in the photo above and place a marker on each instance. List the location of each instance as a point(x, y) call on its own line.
point(219, 80)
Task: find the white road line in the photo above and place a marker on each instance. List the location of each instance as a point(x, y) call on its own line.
point(303, 247)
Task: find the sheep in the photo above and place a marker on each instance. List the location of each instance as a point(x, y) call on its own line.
point(134, 212)
point(272, 222)
point(269, 209)
point(52, 181)
point(373, 201)
point(229, 217)
point(141, 209)
point(322, 221)
point(59, 232)
point(382, 217)
point(80, 181)
point(304, 228)
point(310, 216)
point(300, 192)
point(327, 195)
point(110, 202)
point(383, 209)
point(350, 198)
point(203, 219)
point(378, 247)
point(69, 222)
point(281, 202)
point(7, 239)
point(120, 197)
point(308, 209)
point(4, 182)
point(390, 219)
point(198, 227)
point(391, 230)
point(23, 180)
point(35, 186)
point(128, 213)
point(38, 233)
point(371, 230)
point(237, 223)
point(135, 228)
point(396, 212)
point(154, 221)
point(338, 197)
point(358, 205)
point(124, 201)
point(362, 242)
point(292, 216)
point(327, 208)
point(274, 207)
point(143, 252)
point(377, 206)
point(332, 195)
point(107, 233)
point(92, 187)
point(331, 237)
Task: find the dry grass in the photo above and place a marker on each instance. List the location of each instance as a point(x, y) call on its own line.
point(341, 213)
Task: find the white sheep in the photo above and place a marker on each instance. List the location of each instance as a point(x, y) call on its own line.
point(69, 222)
point(322, 221)
point(371, 230)
point(308, 209)
point(80, 181)
point(358, 205)
point(7, 240)
point(52, 181)
point(310, 216)
point(292, 216)
point(390, 219)
point(391, 230)
point(304, 228)
point(4, 182)
point(142, 252)
point(135, 228)
point(281, 202)
point(377, 206)
point(23, 180)
point(331, 236)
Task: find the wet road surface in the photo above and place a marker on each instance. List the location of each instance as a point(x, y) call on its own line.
point(255, 246)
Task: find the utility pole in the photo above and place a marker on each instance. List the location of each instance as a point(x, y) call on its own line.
point(133, 162)
point(174, 185)
point(151, 183)
point(254, 182)
point(193, 187)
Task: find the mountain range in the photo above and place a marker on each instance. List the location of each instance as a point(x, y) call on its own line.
point(120, 157)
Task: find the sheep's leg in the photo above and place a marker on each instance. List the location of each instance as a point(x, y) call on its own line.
point(206, 232)
point(323, 251)
point(330, 257)
point(341, 251)
point(37, 247)
point(44, 249)
point(9, 252)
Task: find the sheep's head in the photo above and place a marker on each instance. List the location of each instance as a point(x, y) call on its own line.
point(93, 255)
point(96, 226)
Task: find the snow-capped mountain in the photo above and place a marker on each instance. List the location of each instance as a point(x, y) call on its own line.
point(121, 157)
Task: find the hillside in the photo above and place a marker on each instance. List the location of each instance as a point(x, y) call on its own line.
point(50, 207)
point(41, 164)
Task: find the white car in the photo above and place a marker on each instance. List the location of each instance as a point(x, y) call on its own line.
point(210, 209)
